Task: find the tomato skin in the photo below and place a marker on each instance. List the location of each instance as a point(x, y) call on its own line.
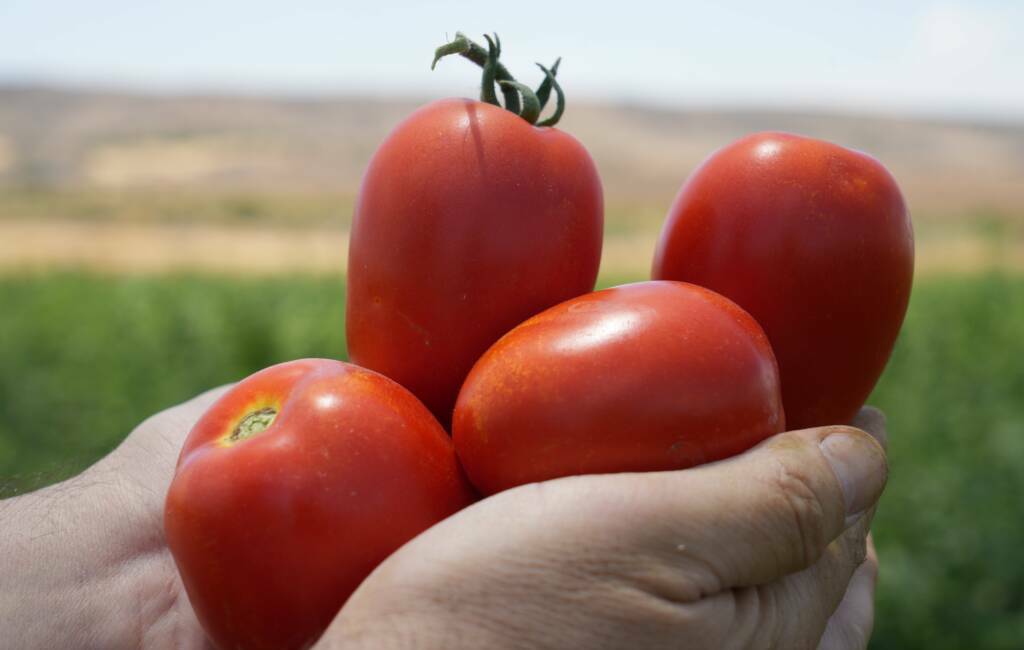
point(271, 534)
point(643, 377)
point(469, 220)
point(815, 241)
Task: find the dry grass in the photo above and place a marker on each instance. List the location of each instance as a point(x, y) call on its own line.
point(266, 250)
point(163, 248)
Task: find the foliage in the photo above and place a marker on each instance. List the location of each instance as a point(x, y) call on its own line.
point(86, 358)
point(951, 527)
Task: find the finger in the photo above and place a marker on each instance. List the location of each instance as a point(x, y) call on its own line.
point(873, 421)
point(851, 625)
point(755, 518)
point(796, 609)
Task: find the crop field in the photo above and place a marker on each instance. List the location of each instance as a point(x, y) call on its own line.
point(86, 357)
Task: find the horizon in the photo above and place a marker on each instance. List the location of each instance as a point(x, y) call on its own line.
point(114, 89)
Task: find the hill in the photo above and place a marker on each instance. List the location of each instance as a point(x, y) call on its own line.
point(131, 182)
point(58, 138)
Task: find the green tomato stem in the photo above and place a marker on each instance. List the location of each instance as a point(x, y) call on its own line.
point(559, 96)
point(531, 105)
point(544, 90)
point(494, 72)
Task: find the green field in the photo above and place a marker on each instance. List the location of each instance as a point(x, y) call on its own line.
point(85, 358)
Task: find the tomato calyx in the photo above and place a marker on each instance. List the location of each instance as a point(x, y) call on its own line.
point(495, 73)
point(253, 423)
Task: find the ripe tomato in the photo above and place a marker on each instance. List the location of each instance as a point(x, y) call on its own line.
point(813, 240)
point(647, 376)
point(469, 220)
point(292, 488)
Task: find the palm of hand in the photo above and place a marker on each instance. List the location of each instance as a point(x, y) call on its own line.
point(145, 463)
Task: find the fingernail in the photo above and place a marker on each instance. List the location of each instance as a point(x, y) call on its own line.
point(859, 464)
point(873, 421)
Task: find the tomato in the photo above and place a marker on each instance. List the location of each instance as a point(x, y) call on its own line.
point(292, 487)
point(468, 221)
point(814, 240)
point(642, 377)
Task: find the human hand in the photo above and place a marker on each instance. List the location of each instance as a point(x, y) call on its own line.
point(768, 549)
point(585, 566)
point(89, 552)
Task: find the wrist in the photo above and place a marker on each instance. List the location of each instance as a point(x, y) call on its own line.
point(66, 553)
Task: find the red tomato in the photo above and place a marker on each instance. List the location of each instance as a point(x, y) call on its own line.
point(272, 532)
point(643, 377)
point(813, 240)
point(469, 220)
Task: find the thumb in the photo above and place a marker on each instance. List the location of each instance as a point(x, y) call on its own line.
point(754, 518)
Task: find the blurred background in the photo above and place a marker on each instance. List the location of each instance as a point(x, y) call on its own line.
point(177, 181)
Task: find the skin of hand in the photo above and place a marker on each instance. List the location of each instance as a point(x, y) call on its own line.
point(755, 551)
point(84, 564)
point(768, 549)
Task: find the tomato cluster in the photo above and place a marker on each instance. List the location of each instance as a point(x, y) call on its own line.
point(778, 288)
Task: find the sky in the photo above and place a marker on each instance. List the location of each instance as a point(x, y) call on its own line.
point(914, 57)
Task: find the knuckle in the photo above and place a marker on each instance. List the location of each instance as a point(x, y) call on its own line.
point(857, 552)
point(802, 509)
